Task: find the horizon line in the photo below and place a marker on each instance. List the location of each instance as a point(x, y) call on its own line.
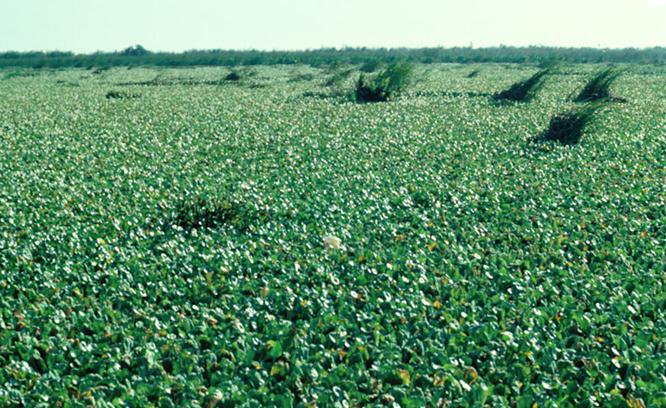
point(333, 48)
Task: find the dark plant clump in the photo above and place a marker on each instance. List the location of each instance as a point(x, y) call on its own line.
point(122, 95)
point(384, 85)
point(233, 76)
point(524, 91)
point(598, 88)
point(567, 128)
point(202, 213)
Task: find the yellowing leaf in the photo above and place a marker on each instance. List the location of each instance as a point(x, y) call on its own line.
point(277, 369)
point(633, 402)
point(405, 376)
point(471, 375)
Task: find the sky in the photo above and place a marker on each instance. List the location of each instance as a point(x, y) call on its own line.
point(178, 25)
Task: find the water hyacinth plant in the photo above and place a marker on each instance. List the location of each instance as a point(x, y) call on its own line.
point(238, 246)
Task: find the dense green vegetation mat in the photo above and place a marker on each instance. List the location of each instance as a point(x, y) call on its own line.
point(162, 241)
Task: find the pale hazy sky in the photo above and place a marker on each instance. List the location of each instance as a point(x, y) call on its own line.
point(176, 25)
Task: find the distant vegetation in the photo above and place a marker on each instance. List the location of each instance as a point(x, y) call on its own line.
point(371, 58)
point(135, 51)
point(370, 66)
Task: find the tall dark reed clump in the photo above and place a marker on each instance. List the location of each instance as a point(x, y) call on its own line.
point(524, 91)
point(598, 88)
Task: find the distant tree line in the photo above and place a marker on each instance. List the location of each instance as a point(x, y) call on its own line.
point(139, 56)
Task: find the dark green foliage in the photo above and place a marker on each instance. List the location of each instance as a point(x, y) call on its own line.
point(370, 66)
point(122, 95)
point(200, 212)
point(598, 88)
point(524, 91)
point(385, 85)
point(567, 128)
point(233, 76)
point(135, 51)
point(134, 56)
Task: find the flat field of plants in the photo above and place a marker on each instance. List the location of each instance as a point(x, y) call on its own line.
point(202, 237)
